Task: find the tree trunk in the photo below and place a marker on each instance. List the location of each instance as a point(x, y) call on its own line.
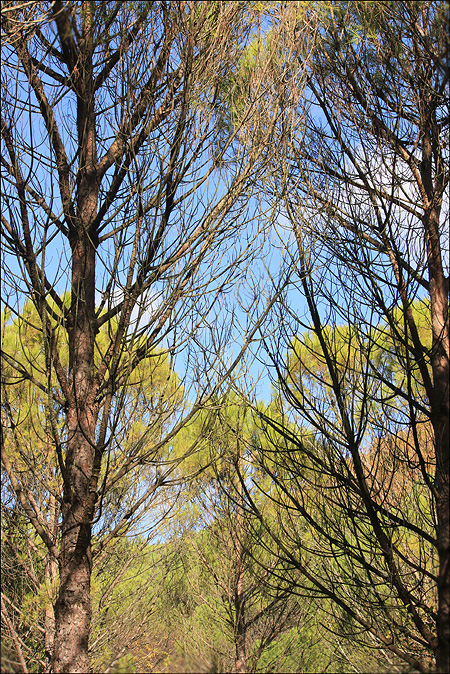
point(439, 404)
point(440, 410)
point(51, 575)
point(443, 614)
point(73, 605)
point(240, 627)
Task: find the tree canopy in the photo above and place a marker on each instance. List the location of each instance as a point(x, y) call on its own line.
point(195, 195)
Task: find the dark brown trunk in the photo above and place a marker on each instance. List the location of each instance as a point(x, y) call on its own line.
point(443, 542)
point(239, 595)
point(440, 418)
point(240, 638)
point(73, 606)
point(440, 405)
point(51, 575)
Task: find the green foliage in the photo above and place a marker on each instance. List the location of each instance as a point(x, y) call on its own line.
point(126, 591)
point(299, 520)
point(320, 482)
point(24, 593)
point(32, 420)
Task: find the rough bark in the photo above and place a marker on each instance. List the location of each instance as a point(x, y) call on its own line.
point(433, 180)
point(440, 411)
point(73, 606)
point(119, 183)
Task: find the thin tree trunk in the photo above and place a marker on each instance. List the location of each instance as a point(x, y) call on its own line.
point(14, 637)
point(239, 601)
point(51, 574)
point(443, 614)
point(240, 637)
point(50, 577)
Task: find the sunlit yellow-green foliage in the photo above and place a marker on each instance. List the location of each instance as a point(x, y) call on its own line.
point(213, 436)
point(30, 408)
point(125, 588)
point(369, 365)
point(366, 362)
point(397, 346)
point(317, 486)
point(143, 406)
point(212, 445)
point(33, 418)
point(220, 444)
